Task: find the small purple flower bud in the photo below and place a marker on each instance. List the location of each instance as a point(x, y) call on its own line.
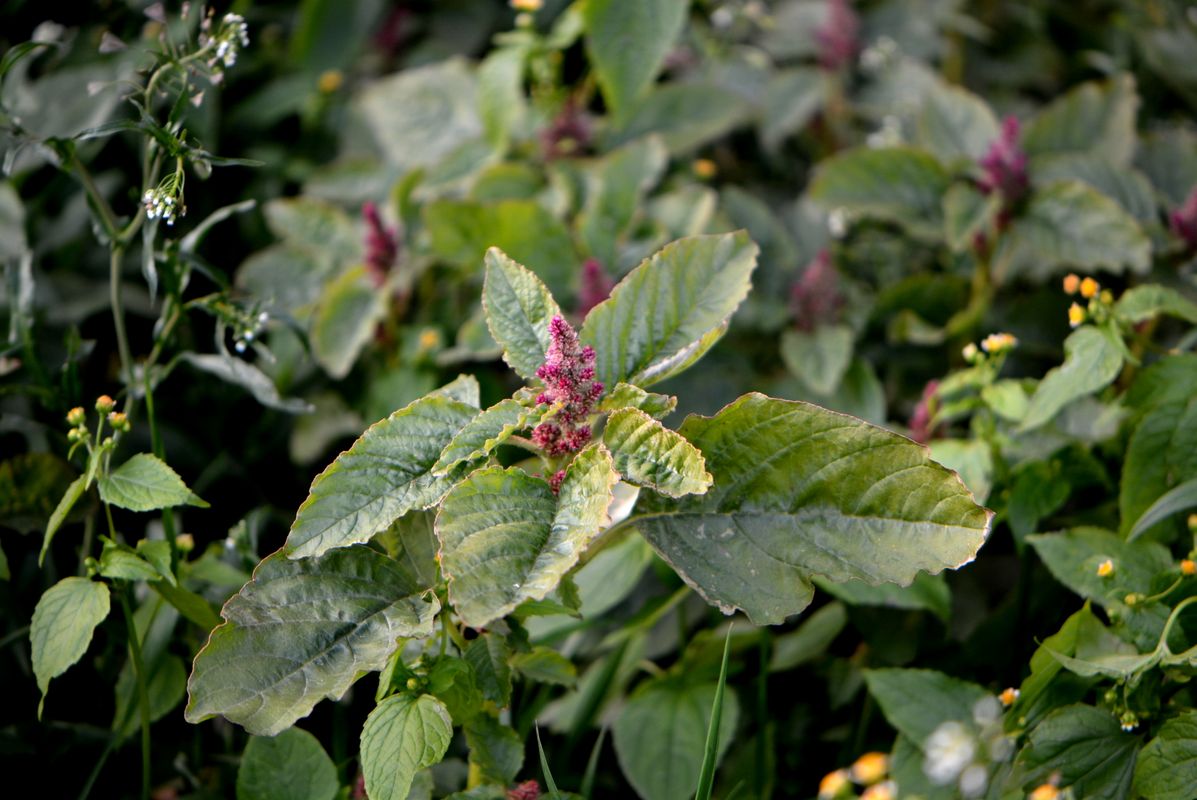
point(596, 286)
point(921, 429)
point(569, 134)
point(815, 297)
point(1183, 220)
point(568, 375)
point(528, 790)
point(382, 245)
point(837, 38)
point(1005, 166)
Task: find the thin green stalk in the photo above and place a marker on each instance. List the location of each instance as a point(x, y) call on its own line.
point(107, 217)
point(143, 693)
point(710, 759)
point(118, 315)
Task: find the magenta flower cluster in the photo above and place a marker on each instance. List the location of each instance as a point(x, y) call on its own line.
point(382, 245)
point(1183, 220)
point(838, 37)
point(815, 297)
point(568, 375)
point(1005, 165)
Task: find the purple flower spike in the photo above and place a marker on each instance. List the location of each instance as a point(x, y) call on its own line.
point(1183, 220)
point(815, 297)
point(920, 421)
point(1005, 165)
point(568, 375)
point(837, 38)
point(596, 286)
point(382, 245)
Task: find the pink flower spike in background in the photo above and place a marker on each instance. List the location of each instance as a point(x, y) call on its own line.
point(815, 297)
point(1183, 220)
point(596, 286)
point(1005, 165)
point(382, 244)
point(838, 36)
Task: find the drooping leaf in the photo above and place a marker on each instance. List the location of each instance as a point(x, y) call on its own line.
point(505, 538)
point(897, 184)
point(667, 312)
point(1086, 748)
point(800, 490)
point(63, 623)
point(1167, 766)
point(344, 323)
point(545, 665)
point(1092, 360)
point(1095, 117)
point(628, 43)
point(403, 735)
point(518, 310)
point(615, 192)
point(146, 483)
point(660, 733)
point(289, 766)
point(1073, 557)
point(385, 474)
point(301, 631)
point(647, 453)
point(248, 377)
point(73, 492)
point(489, 655)
point(625, 395)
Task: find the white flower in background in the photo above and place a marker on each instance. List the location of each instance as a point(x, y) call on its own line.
point(837, 222)
point(231, 36)
point(949, 749)
point(973, 780)
point(879, 54)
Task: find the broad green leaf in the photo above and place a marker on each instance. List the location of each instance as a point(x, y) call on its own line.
point(615, 192)
point(792, 99)
point(349, 311)
point(248, 377)
point(289, 766)
point(926, 592)
point(505, 538)
point(972, 459)
point(802, 491)
point(403, 735)
point(1073, 557)
point(1095, 117)
point(966, 213)
point(451, 680)
point(1169, 380)
point(818, 358)
point(628, 43)
point(385, 474)
point(545, 665)
point(120, 562)
point(897, 184)
point(518, 311)
point(485, 432)
point(686, 115)
point(955, 124)
point(411, 541)
point(1034, 697)
point(146, 483)
point(496, 751)
point(71, 496)
point(463, 389)
point(1092, 360)
point(420, 116)
point(1161, 453)
point(1070, 225)
point(1151, 300)
point(63, 622)
point(667, 312)
point(1110, 665)
point(660, 734)
point(1168, 156)
point(489, 655)
point(166, 688)
point(301, 631)
point(625, 395)
point(917, 701)
point(1167, 766)
point(810, 640)
point(1122, 184)
point(648, 454)
point(501, 101)
point(191, 605)
point(1181, 498)
point(316, 228)
point(462, 232)
point(1086, 748)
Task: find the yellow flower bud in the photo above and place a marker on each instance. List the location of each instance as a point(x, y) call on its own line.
point(970, 352)
point(527, 5)
point(1072, 283)
point(76, 416)
point(1188, 567)
point(185, 542)
point(1193, 523)
point(870, 768)
point(881, 791)
point(704, 168)
point(1107, 297)
point(1105, 569)
point(1044, 792)
point(104, 404)
point(118, 420)
point(998, 343)
point(833, 784)
point(1089, 288)
point(1076, 315)
point(1008, 696)
point(1132, 599)
point(330, 80)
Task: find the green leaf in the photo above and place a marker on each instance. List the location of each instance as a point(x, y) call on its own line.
point(1180, 498)
point(711, 751)
point(496, 751)
point(1073, 557)
point(818, 358)
point(917, 701)
point(625, 395)
point(966, 213)
point(73, 492)
point(1070, 225)
point(1125, 186)
point(1167, 766)
point(1110, 665)
point(615, 192)
point(1088, 750)
point(501, 101)
point(686, 115)
point(792, 99)
point(451, 680)
point(146, 483)
point(290, 766)
point(1095, 117)
point(800, 490)
point(191, 605)
point(120, 562)
point(403, 735)
point(166, 687)
point(660, 733)
point(349, 311)
point(667, 312)
point(545, 665)
point(63, 622)
point(896, 184)
point(1151, 300)
point(1161, 453)
point(248, 377)
point(972, 459)
point(420, 116)
point(301, 631)
point(628, 43)
point(647, 453)
point(485, 432)
point(505, 538)
point(462, 231)
point(955, 124)
point(489, 655)
point(382, 476)
point(518, 311)
point(316, 228)
point(810, 640)
point(1092, 360)
point(463, 389)
point(925, 593)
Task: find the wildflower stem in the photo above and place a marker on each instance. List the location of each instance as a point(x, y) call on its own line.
point(143, 694)
point(118, 317)
point(107, 217)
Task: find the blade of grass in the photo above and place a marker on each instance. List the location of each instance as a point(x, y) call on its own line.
point(544, 767)
point(592, 764)
point(706, 776)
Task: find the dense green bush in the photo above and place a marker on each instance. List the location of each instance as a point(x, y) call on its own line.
point(732, 399)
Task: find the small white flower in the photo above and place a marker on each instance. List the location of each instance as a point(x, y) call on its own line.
point(949, 749)
point(973, 780)
point(837, 222)
point(722, 17)
point(879, 54)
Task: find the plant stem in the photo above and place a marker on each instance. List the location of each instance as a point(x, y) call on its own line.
point(118, 316)
point(143, 693)
point(107, 217)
